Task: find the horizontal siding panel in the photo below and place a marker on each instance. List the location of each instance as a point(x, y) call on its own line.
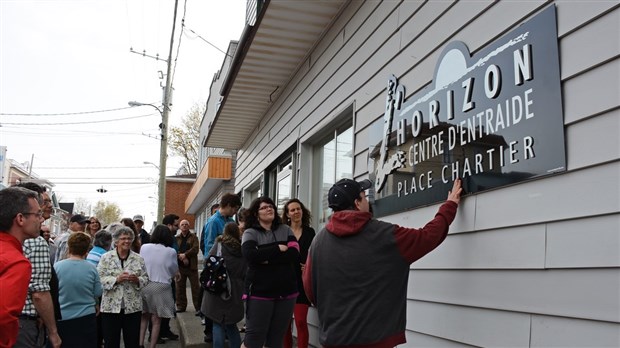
point(333, 39)
point(591, 45)
point(339, 92)
point(572, 14)
point(575, 293)
point(474, 326)
point(587, 192)
point(596, 140)
point(320, 86)
point(418, 340)
point(566, 332)
point(592, 242)
point(417, 218)
point(405, 59)
point(519, 247)
point(360, 164)
point(591, 93)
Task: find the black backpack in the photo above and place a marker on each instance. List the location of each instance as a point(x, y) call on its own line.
point(214, 277)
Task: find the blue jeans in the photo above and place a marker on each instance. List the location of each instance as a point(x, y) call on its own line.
point(221, 332)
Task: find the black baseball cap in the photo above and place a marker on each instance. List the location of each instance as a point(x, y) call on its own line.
point(79, 218)
point(342, 195)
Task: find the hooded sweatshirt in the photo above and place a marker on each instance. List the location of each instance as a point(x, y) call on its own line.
point(357, 274)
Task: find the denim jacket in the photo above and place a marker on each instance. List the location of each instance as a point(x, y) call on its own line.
point(126, 294)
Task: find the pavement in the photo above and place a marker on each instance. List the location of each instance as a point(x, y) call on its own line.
point(190, 327)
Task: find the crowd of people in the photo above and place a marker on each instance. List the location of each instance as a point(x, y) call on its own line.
point(93, 284)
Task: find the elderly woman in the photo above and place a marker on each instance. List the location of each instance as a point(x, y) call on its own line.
point(161, 264)
point(272, 253)
point(135, 246)
point(79, 287)
point(122, 274)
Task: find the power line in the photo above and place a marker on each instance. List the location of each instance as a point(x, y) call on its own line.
point(174, 69)
point(106, 167)
point(81, 133)
point(105, 183)
point(72, 123)
point(67, 113)
point(183, 27)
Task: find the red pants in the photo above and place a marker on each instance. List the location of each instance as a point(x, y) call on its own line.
point(301, 313)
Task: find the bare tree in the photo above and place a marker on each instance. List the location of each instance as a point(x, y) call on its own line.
point(82, 206)
point(184, 140)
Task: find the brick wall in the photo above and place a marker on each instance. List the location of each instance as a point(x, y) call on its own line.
point(176, 193)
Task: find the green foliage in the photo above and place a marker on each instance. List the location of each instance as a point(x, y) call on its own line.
point(107, 212)
point(184, 141)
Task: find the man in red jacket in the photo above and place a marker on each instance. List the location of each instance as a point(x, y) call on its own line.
point(357, 269)
point(20, 219)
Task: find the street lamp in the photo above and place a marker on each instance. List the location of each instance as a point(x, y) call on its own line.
point(151, 163)
point(162, 157)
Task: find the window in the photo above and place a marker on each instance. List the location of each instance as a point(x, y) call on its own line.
point(334, 159)
point(251, 193)
point(280, 179)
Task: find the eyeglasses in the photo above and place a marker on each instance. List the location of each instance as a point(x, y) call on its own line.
point(126, 238)
point(47, 202)
point(265, 207)
point(38, 214)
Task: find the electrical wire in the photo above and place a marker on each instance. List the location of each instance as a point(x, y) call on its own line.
point(72, 123)
point(174, 69)
point(116, 167)
point(203, 39)
point(67, 113)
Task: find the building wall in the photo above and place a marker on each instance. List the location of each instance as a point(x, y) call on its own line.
point(531, 265)
point(176, 193)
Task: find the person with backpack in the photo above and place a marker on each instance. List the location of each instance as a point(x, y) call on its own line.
point(225, 308)
point(214, 227)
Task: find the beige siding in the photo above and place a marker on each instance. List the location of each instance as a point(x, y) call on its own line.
point(533, 264)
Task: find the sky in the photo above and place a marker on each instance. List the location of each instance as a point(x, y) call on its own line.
point(62, 60)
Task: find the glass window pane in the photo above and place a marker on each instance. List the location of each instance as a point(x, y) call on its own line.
point(328, 173)
point(344, 157)
point(284, 191)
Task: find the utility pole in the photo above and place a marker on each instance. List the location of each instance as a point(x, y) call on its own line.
point(163, 150)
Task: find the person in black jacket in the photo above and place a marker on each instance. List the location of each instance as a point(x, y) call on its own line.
point(272, 253)
point(298, 217)
point(226, 309)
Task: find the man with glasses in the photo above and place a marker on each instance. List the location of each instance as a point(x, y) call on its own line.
point(39, 306)
point(20, 219)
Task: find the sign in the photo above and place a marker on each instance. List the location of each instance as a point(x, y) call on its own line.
point(492, 119)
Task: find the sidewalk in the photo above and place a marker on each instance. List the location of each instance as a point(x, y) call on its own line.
point(190, 328)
